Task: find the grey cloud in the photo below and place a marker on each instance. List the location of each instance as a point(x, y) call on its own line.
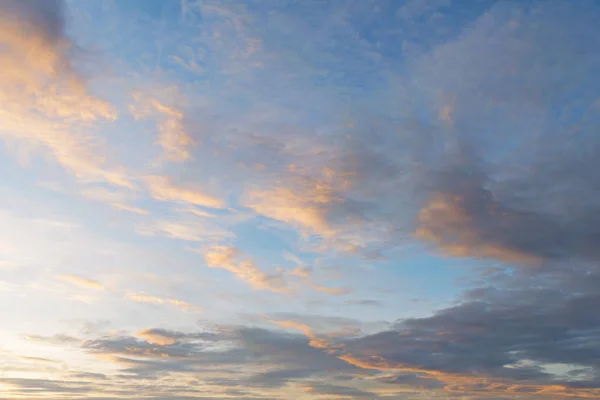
point(58, 339)
point(416, 381)
point(339, 391)
point(32, 386)
point(90, 375)
point(179, 336)
point(501, 121)
point(44, 18)
point(45, 15)
point(278, 377)
point(224, 349)
point(499, 77)
point(131, 346)
point(491, 335)
point(364, 302)
point(500, 149)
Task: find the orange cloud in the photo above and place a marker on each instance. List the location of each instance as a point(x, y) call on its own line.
point(246, 270)
point(155, 337)
point(330, 290)
point(131, 209)
point(192, 230)
point(314, 340)
point(306, 275)
point(80, 281)
point(300, 210)
point(45, 105)
point(116, 199)
point(173, 137)
point(163, 189)
point(444, 222)
point(142, 298)
point(302, 201)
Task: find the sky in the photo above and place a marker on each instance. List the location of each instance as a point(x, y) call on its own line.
point(316, 199)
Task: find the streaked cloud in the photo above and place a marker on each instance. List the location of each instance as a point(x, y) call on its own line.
point(115, 198)
point(163, 188)
point(81, 281)
point(232, 260)
point(144, 298)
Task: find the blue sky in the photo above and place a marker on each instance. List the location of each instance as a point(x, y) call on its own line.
point(299, 199)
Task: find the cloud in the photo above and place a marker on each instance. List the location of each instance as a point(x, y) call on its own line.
point(299, 209)
point(364, 302)
point(301, 200)
point(143, 298)
point(159, 336)
point(38, 359)
point(29, 385)
point(326, 389)
point(491, 182)
point(132, 209)
point(189, 229)
point(448, 222)
point(80, 281)
point(336, 291)
point(163, 189)
point(279, 281)
point(7, 265)
point(117, 199)
point(481, 147)
point(46, 103)
point(306, 275)
point(219, 348)
point(172, 137)
point(316, 341)
point(228, 258)
point(58, 339)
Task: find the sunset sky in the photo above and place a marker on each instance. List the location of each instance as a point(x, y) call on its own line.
point(299, 199)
